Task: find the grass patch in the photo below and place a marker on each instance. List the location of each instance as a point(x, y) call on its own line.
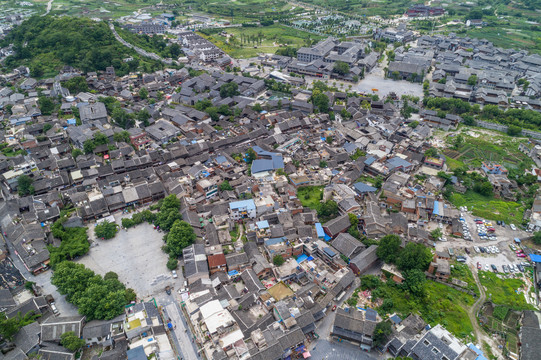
point(272, 38)
point(453, 164)
point(503, 291)
point(441, 305)
point(310, 196)
point(463, 272)
point(489, 207)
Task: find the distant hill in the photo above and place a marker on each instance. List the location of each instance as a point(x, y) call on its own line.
point(46, 44)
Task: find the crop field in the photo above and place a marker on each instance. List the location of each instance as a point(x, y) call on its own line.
point(255, 40)
point(99, 9)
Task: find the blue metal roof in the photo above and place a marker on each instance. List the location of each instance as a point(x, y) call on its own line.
point(248, 204)
point(220, 159)
point(436, 210)
point(301, 258)
point(535, 258)
point(262, 224)
point(370, 160)
point(274, 241)
point(364, 188)
point(320, 231)
point(233, 273)
point(329, 252)
point(398, 162)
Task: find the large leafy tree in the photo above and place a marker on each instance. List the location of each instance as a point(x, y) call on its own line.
point(321, 102)
point(414, 281)
point(180, 236)
point(71, 342)
point(389, 247)
point(382, 331)
point(229, 90)
point(24, 185)
point(96, 297)
point(106, 230)
point(414, 256)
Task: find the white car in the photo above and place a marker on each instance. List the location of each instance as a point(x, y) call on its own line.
point(487, 268)
point(513, 227)
point(174, 273)
point(476, 248)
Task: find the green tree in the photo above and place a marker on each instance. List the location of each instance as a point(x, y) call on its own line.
point(514, 130)
point(180, 236)
point(341, 68)
point(370, 282)
point(229, 89)
point(389, 247)
point(251, 155)
point(76, 152)
point(224, 186)
point(436, 233)
point(414, 256)
point(76, 85)
point(327, 210)
point(537, 237)
point(278, 260)
point(257, 107)
point(381, 332)
point(122, 118)
point(431, 152)
point(106, 230)
point(472, 80)
point(143, 116)
point(321, 102)
point(122, 136)
point(8, 327)
point(329, 139)
point(110, 275)
point(143, 93)
point(172, 263)
point(322, 164)
point(46, 105)
point(24, 185)
point(414, 281)
point(71, 342)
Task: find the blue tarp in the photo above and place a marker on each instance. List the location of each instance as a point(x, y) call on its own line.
point(233, 273)
point(517, 240)
point(301, 258)
point(327, 237)
point(436, 210)
point(310, 258)
point(479, 352)
point(535, 258)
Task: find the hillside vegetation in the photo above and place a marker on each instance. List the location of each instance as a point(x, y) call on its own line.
point(45, 44)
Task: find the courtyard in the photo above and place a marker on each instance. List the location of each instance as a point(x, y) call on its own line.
point(135, 255)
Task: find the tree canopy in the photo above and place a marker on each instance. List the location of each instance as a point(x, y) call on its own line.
point(106, 230)
point(24, 185)
point(74, 242)
point(278, 260)
point(95, 297)
point(388, 248)
point(229, 89)
point(71, 341)
point(341, 68)
point(414, 256)
point(46, 43)
point(180, 236)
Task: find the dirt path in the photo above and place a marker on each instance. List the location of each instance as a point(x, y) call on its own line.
point(480, 335)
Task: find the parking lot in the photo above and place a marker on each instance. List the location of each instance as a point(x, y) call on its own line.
point(135, 255)
point(491, 249)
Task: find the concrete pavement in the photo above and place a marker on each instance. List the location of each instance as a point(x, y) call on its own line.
point(181, 335)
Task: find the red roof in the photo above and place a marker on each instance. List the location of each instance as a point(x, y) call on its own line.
point(216, 260)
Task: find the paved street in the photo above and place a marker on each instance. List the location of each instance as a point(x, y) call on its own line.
point(182, 334)
point(335, 350)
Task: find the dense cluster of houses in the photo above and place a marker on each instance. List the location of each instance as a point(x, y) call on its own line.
point(240, 303)
point(140, 331)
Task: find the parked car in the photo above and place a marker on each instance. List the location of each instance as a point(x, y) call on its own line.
point(467, 250)
point(461, 258)
point(54, 309)
point(513, 227)
point(334, 308)
point(504, 267)
point(174, 273)
point(521, 255)
point(478, 265)
point(476, 248)
point(494, 268)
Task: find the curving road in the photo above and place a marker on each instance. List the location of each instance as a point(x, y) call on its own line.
point(138, 49)
point(49, 6)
